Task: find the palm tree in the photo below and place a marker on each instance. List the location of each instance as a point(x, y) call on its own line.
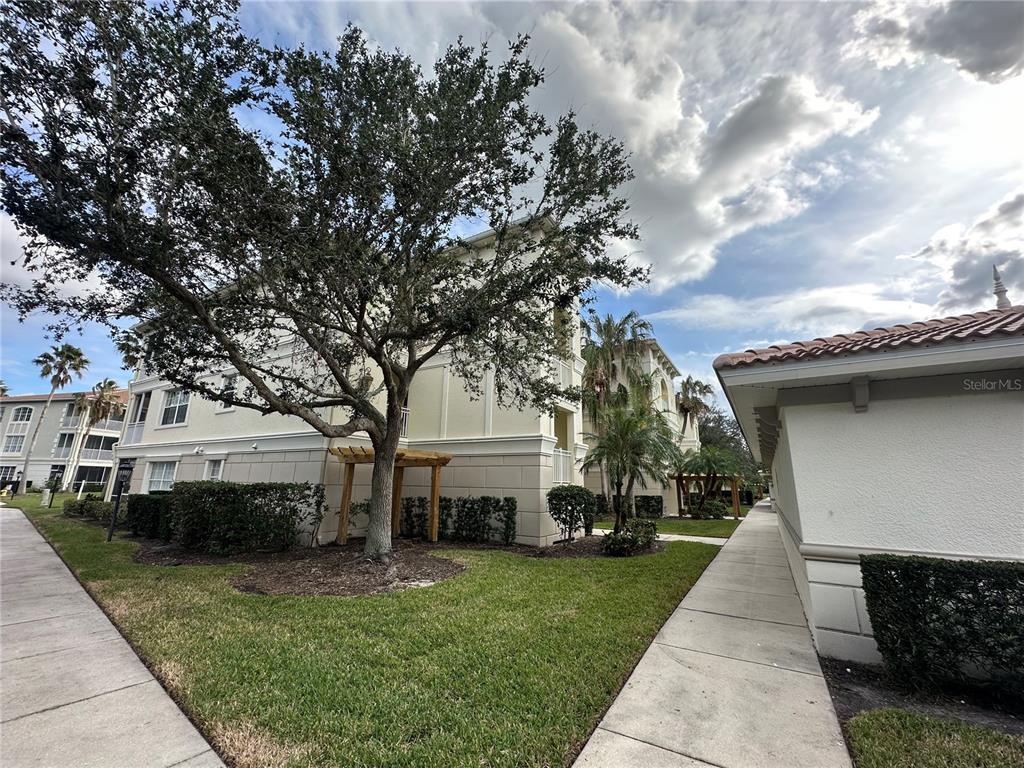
point(691, 400)
point(3, 388)
point(102, 403)
point(610, 355)
point(712, 464)
point(61, 364)
point(632, 444)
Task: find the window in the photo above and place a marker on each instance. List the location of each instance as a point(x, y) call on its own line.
point(56, 473)
point(228, 387)
point(214, 469)
point(3, 410)
point(64, 442)
point(23, 413)
point(140, 407)
point(161, 475)
point(7, 474)
point(175, 407)
point(14, 443)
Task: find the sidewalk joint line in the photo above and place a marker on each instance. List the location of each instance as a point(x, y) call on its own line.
point(659, 746)
point(734, 658)
point(79, 701)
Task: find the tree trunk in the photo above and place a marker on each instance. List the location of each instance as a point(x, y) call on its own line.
point(620, 519)
point(629, 498)
point(604, 485)
point(32, 443)
point(378, 531)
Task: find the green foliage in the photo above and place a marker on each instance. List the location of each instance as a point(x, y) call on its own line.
point(571, 506)
point(507, 518)
point(937, 620)
point(414, 517)
point(713, 509)
point(220, 518)
point(649, 507)
point(90, 507)
point(637, 536)
point(149, 515)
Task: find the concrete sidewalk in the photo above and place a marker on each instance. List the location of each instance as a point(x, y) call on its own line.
point(72, 691)
point(732, 679)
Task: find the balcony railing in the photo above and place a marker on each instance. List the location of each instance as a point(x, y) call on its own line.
point(97, 454)
point(62, 452)
point(563, 461)
point(405, 423)
point(133, 433)
point(70, 421)
point(112, 425)
point(18, 428)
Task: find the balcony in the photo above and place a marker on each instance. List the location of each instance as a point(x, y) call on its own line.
point(97, 454)
point(562, 467)
point(405, 423)
point(70, 422)
point(110, 425)
point(133, 433)
point(62, 452)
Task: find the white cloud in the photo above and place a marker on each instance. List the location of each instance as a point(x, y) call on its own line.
point(962, 256)
point(985, 40)
point(810, 313)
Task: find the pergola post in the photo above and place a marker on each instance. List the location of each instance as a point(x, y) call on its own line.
point(346, 503)
point(396, 500)
point(435, 501)
point(735, 499)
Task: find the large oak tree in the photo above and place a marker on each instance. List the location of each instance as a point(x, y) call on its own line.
point(295, 215)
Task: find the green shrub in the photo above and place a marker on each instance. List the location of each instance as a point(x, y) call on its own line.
point(938, 620)
point(714, 509)
point(509, 506)
point(149, 515)
point(571, 506)
point(445, 505)
point(637, 536)
point(649, 507)
point(220, 517)
point(90, 507)
point(414, 517)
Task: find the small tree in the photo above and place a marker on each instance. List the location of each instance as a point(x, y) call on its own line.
point(102, 403)
point(318, 254)
point(572, 507)
point(61, 364)
point(712, 465)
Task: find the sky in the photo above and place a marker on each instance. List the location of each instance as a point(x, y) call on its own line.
point(801, 169)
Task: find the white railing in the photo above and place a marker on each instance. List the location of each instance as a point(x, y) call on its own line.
point(562, 466)
point(96, 454)
point(62, 452)
point(133, 433)
point(405, 423)
point(112, 425)
point(70, 421)
point(18, 428)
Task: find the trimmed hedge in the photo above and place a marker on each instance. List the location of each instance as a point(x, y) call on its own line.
point(636, 537)
point(90, 507)
point(938, 620)
point(465, 518)
point(149, 515)
point(649, 507)
point(219, 517)
point(572, 507)
point(714, 509)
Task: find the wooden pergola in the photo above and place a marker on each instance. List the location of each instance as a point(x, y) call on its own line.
point(683, 484)
point(406, 457)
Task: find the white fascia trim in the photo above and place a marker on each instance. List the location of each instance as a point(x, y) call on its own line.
point(288, 441)
point(841, 553)
point(874, 362)
point(508, 445)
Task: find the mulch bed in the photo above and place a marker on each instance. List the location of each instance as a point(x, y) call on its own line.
point(856, 688)
point(344, 570)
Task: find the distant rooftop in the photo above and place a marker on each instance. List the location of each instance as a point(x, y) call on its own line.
point(58, 396)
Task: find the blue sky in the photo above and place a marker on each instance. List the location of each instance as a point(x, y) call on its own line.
point(801, 169)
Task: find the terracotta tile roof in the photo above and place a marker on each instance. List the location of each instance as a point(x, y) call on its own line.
point(994, 323)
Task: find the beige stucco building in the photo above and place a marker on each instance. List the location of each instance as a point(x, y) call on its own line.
point(63, 452)
point(908, 440)
point(654, 362)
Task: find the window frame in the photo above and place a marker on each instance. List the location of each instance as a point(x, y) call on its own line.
point(19, 409)
point(151, 469)
point(208, 470)
point(223, 407)
point(21, 446)
point(176, 407)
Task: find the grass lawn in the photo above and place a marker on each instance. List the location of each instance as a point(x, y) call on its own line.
point(686, 526)
point(894, 738)
point(510, 663)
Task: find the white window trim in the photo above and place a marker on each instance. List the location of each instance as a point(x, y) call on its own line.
point(149, 473)
point(208, 470)
point(19, 452)
point(220, 407)
point(31, 414)
point(163, 408)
